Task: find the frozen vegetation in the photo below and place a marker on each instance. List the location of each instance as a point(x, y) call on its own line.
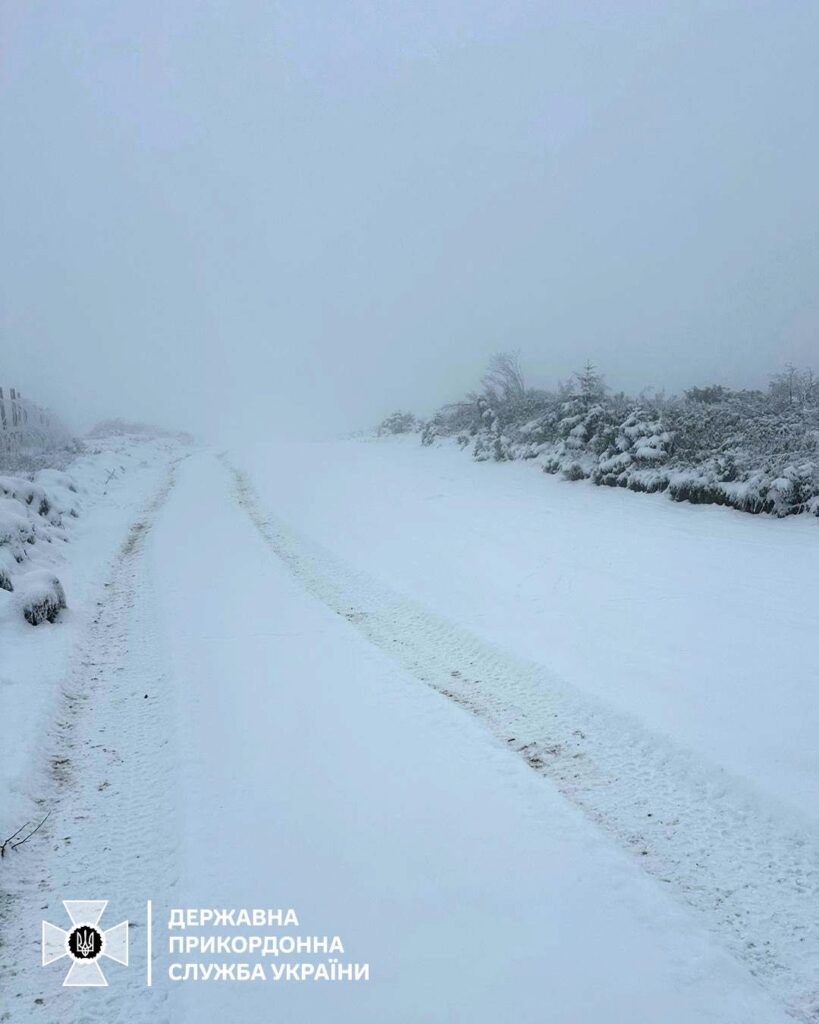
point(37, 499)
point(32, 519)
point(753, 450)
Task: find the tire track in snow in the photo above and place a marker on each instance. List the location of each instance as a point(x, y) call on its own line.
point(749, 869)
point(111, 833)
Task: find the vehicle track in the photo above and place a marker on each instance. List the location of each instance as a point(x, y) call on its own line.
point(111, 829)
point(748, 868)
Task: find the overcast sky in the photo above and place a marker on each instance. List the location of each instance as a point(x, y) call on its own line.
point(298, 215)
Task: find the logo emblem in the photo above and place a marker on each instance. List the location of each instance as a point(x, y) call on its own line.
point(85, 943)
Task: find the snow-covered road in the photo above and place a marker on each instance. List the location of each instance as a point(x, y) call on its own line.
point(260, 724)
point(698, 620)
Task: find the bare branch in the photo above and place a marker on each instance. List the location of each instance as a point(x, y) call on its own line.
point(503, 379)
point(14, 835)
point(25, 838)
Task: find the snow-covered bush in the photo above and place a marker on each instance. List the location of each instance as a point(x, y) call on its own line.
point(634, 457)
point(40, 596)
point(397, 423)
point(16, 528)
point(490, 440)
point(31, 518)
point(26, 492)
point(757, 451)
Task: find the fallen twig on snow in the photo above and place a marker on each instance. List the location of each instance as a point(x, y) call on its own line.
point(25, 838)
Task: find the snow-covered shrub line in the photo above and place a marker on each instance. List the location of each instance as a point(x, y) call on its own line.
point(756, 451)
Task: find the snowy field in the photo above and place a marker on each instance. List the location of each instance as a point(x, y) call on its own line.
point(697, 620)
point(534, 750)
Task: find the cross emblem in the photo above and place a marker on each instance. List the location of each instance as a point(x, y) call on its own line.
point(85, 943)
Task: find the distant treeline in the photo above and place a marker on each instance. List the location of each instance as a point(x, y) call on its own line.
point(754, 450)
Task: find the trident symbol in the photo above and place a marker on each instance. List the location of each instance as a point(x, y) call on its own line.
point(85, 943)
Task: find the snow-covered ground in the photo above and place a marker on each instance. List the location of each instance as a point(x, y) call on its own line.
point(698, 620)
point(97, 499)
point(298, 689)
point(655, 661)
